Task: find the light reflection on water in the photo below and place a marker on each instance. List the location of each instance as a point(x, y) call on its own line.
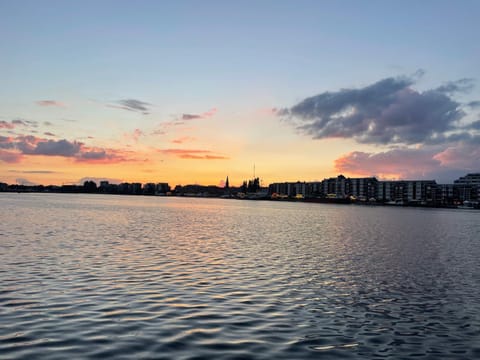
point(116, 276)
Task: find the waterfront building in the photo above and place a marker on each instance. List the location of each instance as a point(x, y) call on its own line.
point(444, 195)
point(467, 188)
point(149, 189)
point(421, 191)
point(335, 187)
point(364, 189)
point(407, 191)
point(290, 189)
point(162, 189)
point(469, 179)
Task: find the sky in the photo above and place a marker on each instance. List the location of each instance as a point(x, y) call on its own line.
point(194, 91)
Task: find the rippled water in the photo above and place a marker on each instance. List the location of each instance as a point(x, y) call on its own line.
point(91, 276)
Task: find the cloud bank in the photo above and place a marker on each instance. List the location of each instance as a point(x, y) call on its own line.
point(14, 149)
point(427, 132)
point(389, 111)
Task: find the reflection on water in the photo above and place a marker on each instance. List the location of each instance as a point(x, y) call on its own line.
point(139, 277)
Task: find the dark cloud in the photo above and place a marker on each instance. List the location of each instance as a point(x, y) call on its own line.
point(133, 105)
point(474, 104)
point(389, 111)
point(48, 133)
point(474, 125)
point(191, 117)
point(13, 149)
point(6, 142)
point(463, 86)
point(94, 155)
point(50, 148)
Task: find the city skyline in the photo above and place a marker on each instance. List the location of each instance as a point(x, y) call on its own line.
point(190, 93)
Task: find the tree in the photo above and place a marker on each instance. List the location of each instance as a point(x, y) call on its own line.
point(244, 187)
point(253, 185)
point(90, 186)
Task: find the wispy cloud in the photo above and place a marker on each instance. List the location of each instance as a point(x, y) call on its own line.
point(132, 105)
point(204, 115)
point(134, 135)
point(102, 156)
point(459, 86)
point(159, 132)
point(17, 122)
point(193, 154)
point(6, 125)
point(33, 171)
point(183, 139)
point(52, 103)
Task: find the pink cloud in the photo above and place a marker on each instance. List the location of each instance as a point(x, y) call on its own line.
point(50, 103)
point(10, 156)
point(18, 122)
point(6, 125)
point(210, 113)
point(204, 115)
point(193, 154)
point(183, 139)
point(465, 156)
point(268, 111)
point(134, 135)
point(393, 164)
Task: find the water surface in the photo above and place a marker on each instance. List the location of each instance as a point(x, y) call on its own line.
point(92, 276)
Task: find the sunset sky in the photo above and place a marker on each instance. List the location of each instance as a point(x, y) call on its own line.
point(192, 91)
